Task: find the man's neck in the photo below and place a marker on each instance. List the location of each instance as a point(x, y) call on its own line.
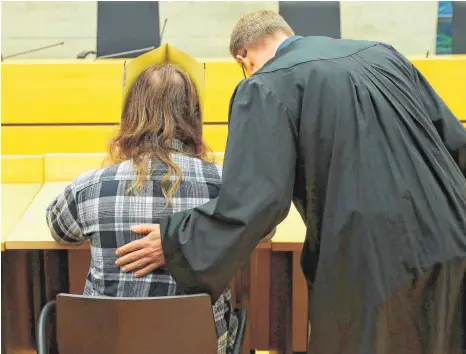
point(279, 42)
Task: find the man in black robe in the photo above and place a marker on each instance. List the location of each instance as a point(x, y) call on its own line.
point(375, 163)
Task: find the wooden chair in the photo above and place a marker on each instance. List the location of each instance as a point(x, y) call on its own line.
point(168, 325)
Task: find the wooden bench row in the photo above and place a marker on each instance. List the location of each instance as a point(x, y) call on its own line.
point(79, 139)
point(54, 167)
point(80, 91)
point(77, 91)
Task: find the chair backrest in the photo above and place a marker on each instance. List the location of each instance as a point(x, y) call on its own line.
point(126, 26)
point(163, 325)
point(312, 18)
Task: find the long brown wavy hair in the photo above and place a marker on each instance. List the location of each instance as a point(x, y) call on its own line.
point(161, 106)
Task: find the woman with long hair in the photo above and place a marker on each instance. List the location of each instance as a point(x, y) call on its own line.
point(158, 164)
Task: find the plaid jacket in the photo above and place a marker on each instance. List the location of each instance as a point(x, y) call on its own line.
point(98, 207)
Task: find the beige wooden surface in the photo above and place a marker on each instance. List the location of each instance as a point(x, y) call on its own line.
point(290, 233)
point(16, 198)
point(32, 232)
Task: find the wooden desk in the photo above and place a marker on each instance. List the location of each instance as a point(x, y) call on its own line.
point(55, 268)
point(32, 232)
point(60, 268)
point(16, 198)
point(290, 233)
point(25, 264)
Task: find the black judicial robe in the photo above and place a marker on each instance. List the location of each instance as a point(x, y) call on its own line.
point(375, 163)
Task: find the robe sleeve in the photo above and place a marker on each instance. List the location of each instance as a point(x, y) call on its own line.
point(450, 129)
point(205, 247)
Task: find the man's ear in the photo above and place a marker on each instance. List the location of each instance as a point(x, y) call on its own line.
point(239, 59)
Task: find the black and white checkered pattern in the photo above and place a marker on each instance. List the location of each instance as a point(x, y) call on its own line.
point(98, 207)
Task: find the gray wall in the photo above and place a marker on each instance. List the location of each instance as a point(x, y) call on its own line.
point(202, 29)
point(410, 26)
point(29, 24)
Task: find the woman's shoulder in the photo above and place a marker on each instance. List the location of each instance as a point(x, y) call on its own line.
point(194, 166)
point(214, 167)
point(113, 172)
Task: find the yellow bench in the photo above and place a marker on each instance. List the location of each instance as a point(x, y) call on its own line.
point(89, 92)
point(447, 75)
point(79, 91)
point(79, 101)
point(79, 138)
point(66, 167)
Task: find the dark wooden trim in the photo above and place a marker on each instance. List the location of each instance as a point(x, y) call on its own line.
point(260, 299)
point(78, 267)
point(300, 305)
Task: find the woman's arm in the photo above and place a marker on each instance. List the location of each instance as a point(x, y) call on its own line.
point(63, 220)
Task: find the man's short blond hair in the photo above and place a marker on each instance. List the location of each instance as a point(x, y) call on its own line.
point(254, 26)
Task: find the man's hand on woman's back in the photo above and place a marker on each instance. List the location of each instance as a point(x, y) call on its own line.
point(144, 255)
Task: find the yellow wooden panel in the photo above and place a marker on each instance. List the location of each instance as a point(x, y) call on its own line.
point(56, 138)
point(91, 91)
point(66, 167)
point(219, 156)
point(22, 168)
point(448, 78)
point(216, 136)
point(68, 92)
point(16, 198)
point(27, 140)
point(221, 80)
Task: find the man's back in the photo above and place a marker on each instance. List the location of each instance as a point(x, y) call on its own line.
point(377, 151)
point(377, 180)
point(370, 153)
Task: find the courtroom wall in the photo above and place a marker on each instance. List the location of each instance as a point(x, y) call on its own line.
point(31, 24)
point(409, 26)
point(202, 29)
